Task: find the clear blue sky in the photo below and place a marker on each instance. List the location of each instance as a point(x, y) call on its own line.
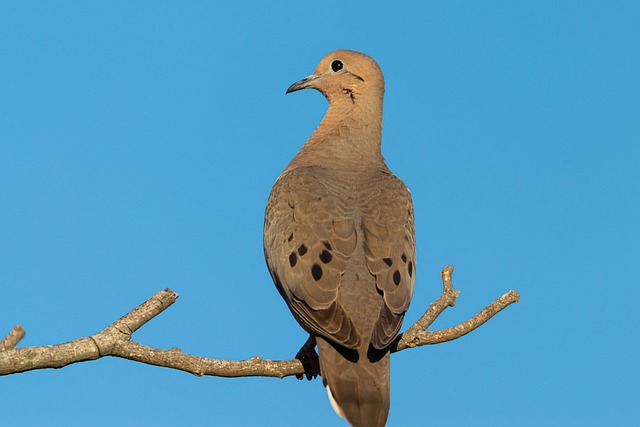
point(139, 141)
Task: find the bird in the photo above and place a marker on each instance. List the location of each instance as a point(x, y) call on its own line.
point(339, 241)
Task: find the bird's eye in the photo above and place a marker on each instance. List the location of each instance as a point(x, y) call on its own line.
point(337, 65)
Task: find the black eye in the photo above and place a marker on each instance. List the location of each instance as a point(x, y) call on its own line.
point(337, 65)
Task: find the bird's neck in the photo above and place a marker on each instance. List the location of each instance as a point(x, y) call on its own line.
point(349, 137)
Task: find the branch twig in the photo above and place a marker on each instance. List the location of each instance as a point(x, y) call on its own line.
point(417, 334)
point(12, 338)
point(115, 340)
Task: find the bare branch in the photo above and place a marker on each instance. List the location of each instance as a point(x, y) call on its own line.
point(57, 356)
point(199, 366)
point(444, 335)
point(115, 340)
point(417, 335)
point(447, 299)
point(12, 338)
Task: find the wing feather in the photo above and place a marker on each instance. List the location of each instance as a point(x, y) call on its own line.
point(307, 246)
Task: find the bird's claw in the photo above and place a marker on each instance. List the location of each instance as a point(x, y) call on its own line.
point(309, 359)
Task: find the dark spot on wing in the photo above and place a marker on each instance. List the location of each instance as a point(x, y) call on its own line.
point(293, 259)
point(316, 272)
point(404, 257)
point(290, 237)
point(327, 245)
point(325, 257)
point(410, 267)
point(388, 261)
point(396, 277)
point(302, 250)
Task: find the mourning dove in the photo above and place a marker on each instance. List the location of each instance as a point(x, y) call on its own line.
point(339, 240)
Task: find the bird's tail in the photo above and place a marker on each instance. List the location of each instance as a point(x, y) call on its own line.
point(357, 383)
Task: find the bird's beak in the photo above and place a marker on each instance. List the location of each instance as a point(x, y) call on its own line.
point(303, 84)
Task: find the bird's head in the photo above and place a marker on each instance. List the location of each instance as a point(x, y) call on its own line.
point(345, 76)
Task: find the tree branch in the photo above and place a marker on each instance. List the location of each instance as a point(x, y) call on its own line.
point(12, 338)
point(115, 340)
point(417, 334)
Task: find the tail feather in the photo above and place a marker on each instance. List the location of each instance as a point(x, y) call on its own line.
point(358, 385)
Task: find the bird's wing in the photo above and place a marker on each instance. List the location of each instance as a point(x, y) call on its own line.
point(390, 249)
point(308, 239)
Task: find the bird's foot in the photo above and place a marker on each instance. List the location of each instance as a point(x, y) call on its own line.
point(309, 358)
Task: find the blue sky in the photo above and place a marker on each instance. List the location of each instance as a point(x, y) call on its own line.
point(139, 142)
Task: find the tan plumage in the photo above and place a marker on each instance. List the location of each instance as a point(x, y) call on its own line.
point(339, 239)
